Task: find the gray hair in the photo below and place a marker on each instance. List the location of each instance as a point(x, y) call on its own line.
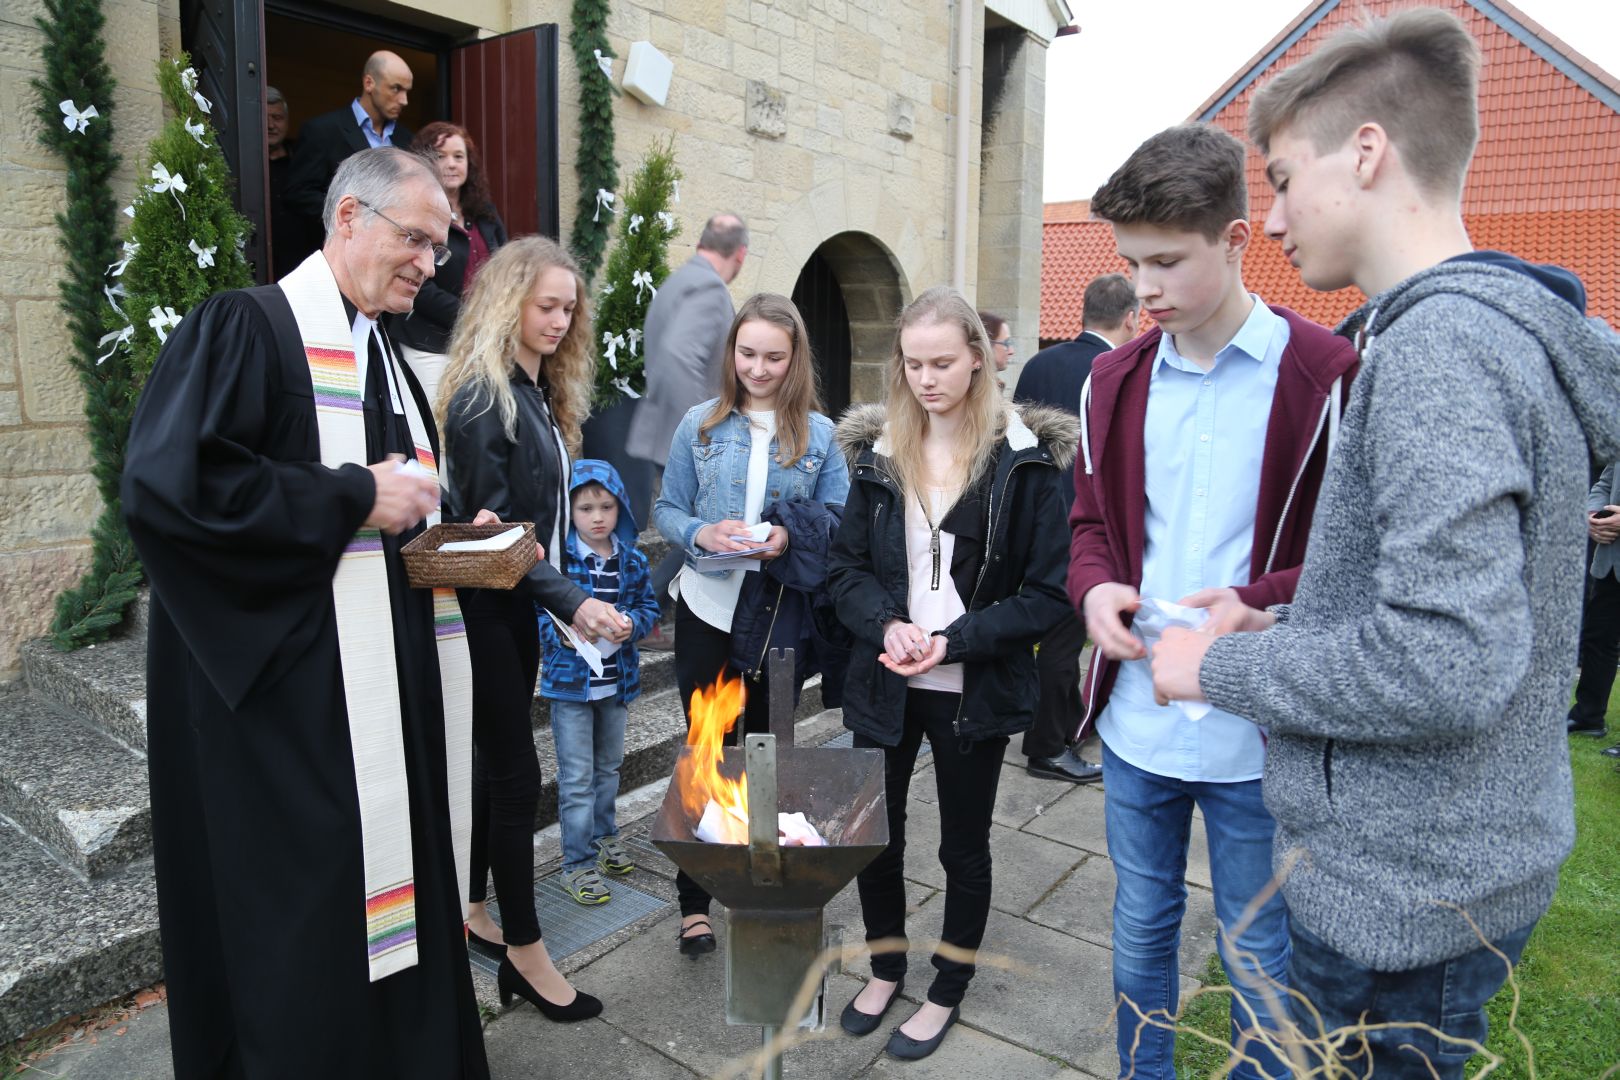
point(723, 234)
point(374, 177)
point(272, 96)
point(1109, 298)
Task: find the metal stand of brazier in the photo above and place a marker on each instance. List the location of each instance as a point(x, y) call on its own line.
point(773, 895)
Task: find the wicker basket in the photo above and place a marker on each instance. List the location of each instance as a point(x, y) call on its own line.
point(426, 567)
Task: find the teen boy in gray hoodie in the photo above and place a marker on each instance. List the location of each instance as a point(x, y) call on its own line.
point(1415, 689)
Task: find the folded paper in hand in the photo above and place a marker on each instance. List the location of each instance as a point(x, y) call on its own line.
point(498, 542)
point(587, 650)
point(1152, 619)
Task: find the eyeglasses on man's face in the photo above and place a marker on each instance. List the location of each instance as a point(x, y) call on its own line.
point(1005, 343)
point(414, 241)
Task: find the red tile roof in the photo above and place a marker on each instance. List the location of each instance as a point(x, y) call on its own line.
point(1543, 185)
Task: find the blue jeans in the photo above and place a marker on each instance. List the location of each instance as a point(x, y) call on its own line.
point(1450, 996)
point(1149, 820)
point(590, 748)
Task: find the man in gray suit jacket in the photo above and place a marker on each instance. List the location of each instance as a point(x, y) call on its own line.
point(1600, 625)
point(687, 324)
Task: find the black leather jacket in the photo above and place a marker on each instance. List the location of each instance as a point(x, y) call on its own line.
point(520, 480)
point(1009, 562)
point(427, 326)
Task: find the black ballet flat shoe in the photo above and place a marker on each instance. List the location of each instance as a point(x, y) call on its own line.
point(495, 948)
point(906, 1048)
point(696, 945)
point(858, 1023)
point(583, 1007)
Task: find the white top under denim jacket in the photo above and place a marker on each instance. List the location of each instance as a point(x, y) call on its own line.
point(705, 482)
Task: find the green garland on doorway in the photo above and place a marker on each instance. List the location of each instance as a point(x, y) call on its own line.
point(594, 165)
point(74, 110)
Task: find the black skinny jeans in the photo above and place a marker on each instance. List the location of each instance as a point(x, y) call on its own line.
point(1600, 650)
point(503, 636)
point(702, 652)
point(1057, 715)
point(966, 775)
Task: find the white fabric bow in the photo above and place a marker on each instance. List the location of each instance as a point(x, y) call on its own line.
point(116, 269)
point(75, 118)
point(604, 197)
point(612, 344)
point(635, 223)
point(667, 220)
point(188, 80)
point(172, 184)
point(129, 211)
point(640, 279)
point(622, 384)
point(605, 63)
point(635, 339)
point(196, 132)
point(607, 290)
point(113, 293)
point(162, 321)
point(205, 256)
point(677, 192)
point(117, 337)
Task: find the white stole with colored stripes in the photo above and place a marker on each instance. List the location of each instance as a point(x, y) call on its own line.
point(366, 640)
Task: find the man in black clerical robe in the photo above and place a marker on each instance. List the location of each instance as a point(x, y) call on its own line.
point(255, 813)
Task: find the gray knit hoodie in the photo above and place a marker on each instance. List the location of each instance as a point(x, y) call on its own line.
point(1416, 688)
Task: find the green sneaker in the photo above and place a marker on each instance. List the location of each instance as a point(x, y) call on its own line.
point(586, 886)
point(612, 857)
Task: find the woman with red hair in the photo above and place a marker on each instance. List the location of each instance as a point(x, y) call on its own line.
point(476, 232)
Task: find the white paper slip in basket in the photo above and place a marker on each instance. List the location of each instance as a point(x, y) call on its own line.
point(498, 542)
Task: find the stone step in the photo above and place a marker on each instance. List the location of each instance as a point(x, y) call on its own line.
point(104, 684)
point(657, 675)
point(67, 944)
point(139, 616)
point(71, 787)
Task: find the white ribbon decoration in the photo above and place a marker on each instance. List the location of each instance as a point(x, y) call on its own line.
point(635, 223)
point(635, 339)
point(172, 184)
point(188, 81)
point(196, 132)
point(640, 279)
point(117, 337)
point(113, 293)
point(605, 63)
point(129, 211)
point(622, 384)
point(612, 344)
point(607, 290)
point(205, 256)
point(116, 269)
point(604, 197)
point(667, 220)
point(162, 321)
point(677, 192)
point(76, 119)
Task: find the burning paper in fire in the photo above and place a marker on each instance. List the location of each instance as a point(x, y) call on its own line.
point(729, 825)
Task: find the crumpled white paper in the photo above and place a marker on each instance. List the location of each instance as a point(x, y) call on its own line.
point(724, 826)
point(1156, 616)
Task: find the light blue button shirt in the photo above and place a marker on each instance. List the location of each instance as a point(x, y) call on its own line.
point(1203, 440)
point(362, 118)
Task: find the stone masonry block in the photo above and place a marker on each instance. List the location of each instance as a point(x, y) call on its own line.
point(665, 33)
point(10, 408)
point(50, 386)
point(798, 61)
point(46, 510)
point(19, 44)
point(8, 356)
point(753, 64)
point(132, 30)
point(766, 110)
point(44, 450)
point(29, 582)
point(32, 196)
point(703, 47)
point(19, 127)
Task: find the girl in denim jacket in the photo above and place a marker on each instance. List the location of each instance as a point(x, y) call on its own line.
point(759, 442)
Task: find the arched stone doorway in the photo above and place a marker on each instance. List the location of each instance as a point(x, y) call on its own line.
point(850, 294)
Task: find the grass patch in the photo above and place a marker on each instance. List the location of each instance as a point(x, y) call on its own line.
point(1569, 979)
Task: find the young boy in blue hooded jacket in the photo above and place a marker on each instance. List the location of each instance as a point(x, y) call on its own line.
point(587, 709)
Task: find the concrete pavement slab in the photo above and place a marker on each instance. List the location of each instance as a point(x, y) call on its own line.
point(1076, 820)
point(140, 1053)
point(969, 1053)
point(528, 1046)
point(1025, 867)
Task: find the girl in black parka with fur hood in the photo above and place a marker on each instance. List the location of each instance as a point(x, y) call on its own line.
point(947, 569)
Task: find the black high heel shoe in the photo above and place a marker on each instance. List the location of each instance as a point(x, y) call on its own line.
point(495, 948)
point(695, 945)
point(510, 982)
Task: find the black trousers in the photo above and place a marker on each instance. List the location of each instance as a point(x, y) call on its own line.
point(503, 636)
point(965, 776)
point(1059, 711)
point(1600, 650)
point(702, 653)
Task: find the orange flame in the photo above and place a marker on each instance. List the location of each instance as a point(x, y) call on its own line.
point(714, 711)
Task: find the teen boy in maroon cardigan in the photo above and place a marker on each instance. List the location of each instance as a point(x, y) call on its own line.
point(1202, 448)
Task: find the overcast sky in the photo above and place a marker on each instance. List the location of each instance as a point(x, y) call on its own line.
point(1134, 70)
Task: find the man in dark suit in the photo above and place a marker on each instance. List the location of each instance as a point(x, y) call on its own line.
point(1057, 376)
point(370, 120)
